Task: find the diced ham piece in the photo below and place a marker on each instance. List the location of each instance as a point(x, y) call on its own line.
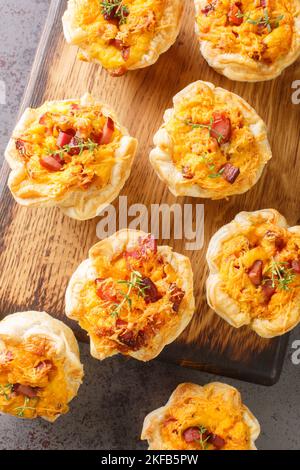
point(52, 163)
point(97, 138)
point(279, 242)
point(131, 340)
point(6, 357)
point(176, 296)
point(208, 8)
point(268, 290)
point(148, 245)
point(151, 293)
point(64, 138)
point(187, 173)
point(25, 390)
point(108, 131)
point(216, 441)
point(230, 173)
point(20, 146)
point(116, 43)
point(234, 15)
point(44, 366)
point(121, 323)
point(126, 53)
point(295, 264)
point(221, 128)
point(255, 273)
point(191, 435)
point(105, 292)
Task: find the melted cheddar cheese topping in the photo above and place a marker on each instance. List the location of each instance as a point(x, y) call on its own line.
point(260, 270)
point(119, 40)
point(76, 162)
point(208, 137)
point(189, 423)
point(32, 381)
point(261, 30)
point(136, 296)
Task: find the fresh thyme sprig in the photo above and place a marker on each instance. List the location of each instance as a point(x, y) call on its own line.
point(281, 276)
point(208, 127)
point(21, 409)
point(115, 9)
point(264, 21)
point(80, 145)
point(135, 282)
point(5, 390)
point(203, 442)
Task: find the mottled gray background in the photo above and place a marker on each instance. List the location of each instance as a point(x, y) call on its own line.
point(116, 394)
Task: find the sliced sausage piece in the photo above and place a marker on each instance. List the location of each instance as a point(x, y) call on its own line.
point(176, 296)
point(235, 15)
point(221, 128)
point(191, 434)
point(268, 290)
point(216, 441)
point(131, 340)
point(108, 131)
point(25, 390)
point(52, 163)
point(64, 138)
point(255, 273)
point(151, 293)
point(295, 265)
point(230, 173)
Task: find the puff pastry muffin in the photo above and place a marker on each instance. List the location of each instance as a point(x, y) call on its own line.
point(212, 144)
point(72, 154)
point(249, 40)
point(122, 35)
point(40, 369)
point(212, 417)
point(254, 279)
point(131, 296)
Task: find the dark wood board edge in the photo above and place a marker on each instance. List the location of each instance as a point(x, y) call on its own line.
point(38, 77)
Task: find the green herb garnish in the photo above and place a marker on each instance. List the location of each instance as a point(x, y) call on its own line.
point(80, 145)
point(5, 391)
point(220, 137)
point(264, 21)
point(281, 275)
point(114, 9)
point(21, 409)
point(135, 282)
point(203, 442)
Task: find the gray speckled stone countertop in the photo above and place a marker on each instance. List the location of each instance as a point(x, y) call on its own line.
point(116, 395)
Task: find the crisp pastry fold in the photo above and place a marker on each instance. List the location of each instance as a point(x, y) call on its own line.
point(72, 154)
point(40, 369)
point(122, 35)
point(131, 296)
point(211, 417)
point(254, 279)
point(212, 144)
point(249, 40)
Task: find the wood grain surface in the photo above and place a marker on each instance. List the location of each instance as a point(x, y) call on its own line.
point(40, 248)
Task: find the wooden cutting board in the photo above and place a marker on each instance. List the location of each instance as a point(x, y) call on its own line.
point(40, 248)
